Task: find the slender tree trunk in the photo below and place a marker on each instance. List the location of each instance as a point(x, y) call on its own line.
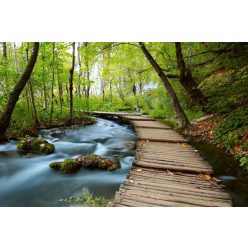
point(60, 93)
point(35, 116)
point(15, 93)
point(103, 91)
point(80, 70)
point(71, 82)
point(4, 50)
point(16, 60)
point(120, 94)
point(184, 122)
point(111, 91)
point(87, 88)
point(52, 95)
point(43, 79)
point(187, 80)
point(27, 99)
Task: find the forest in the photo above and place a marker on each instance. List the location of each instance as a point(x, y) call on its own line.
point(198, 89)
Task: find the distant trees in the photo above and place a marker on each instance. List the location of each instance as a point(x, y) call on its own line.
point(15, 93)
point(165, 80)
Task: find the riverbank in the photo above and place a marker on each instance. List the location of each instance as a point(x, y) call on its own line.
point(210, 129)
point(15, 133)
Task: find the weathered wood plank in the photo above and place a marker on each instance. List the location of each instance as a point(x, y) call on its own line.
point(178, 193)
point(159, 135)
point(149, 124)
point(137, 118)
point(145, 164)
point(183, 188)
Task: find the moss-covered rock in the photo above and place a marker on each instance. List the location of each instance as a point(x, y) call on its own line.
point(91, 161)
point(95, 161)
point(55, 165)
point(67, 166)
point(35, 145)
point(114, 166)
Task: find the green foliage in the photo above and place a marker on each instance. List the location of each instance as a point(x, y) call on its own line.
point(232, 128)
point(87, 199)
point(232, 132)
point(244, 162)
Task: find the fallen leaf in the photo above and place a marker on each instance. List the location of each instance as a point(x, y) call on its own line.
point(184, 145)
point(205, 177)
point(169, 173)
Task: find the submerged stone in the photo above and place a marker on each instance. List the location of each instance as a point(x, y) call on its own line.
point(35, 145)
point(95, 161)
point(67, 166)
point(90, 161)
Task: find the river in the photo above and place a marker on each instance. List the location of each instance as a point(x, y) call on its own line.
point(31, 182)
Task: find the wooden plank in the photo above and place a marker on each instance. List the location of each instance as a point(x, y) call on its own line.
point(137, 118)
point(144, 164)
point(156, 202)
point(113, 113)
point(173, 179)
point(149, 124)
point(164, 158)
point(183, 188)
point(159, 135)
point(175, 198)
point(179, 193)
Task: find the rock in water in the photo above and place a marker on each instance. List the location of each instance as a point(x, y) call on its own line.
point(91, 161)
point(35, 145)
point(95, 161)
point(67, 166)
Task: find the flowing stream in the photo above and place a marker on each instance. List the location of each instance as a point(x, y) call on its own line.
point(31, 182)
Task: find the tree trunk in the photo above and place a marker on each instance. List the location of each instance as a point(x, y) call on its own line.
point(15, 93)
point(43, 79)
point(35, 116)
point(16, 60)
point(80, 71)
point(71, 82)
point(60, 93)
point(4, 50)
point(111, 92)
point(120, 94)
point(187, 80)
point(87, 87)
point(184, 122)
point(52, 95)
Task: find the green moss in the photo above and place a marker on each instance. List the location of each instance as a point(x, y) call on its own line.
point(35, 145)
point(114, 166)
point(69, 165)
point(55, 165)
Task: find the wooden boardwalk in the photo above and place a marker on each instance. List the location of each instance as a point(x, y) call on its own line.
point(166, 171)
